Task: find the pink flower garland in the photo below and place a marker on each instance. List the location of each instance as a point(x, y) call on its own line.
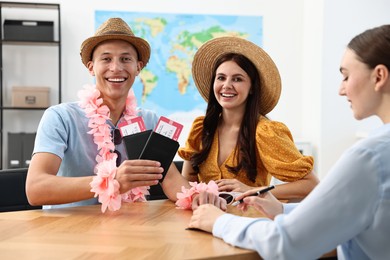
point(104, 184)
point(184, 198)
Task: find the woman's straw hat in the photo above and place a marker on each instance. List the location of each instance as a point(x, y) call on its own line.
point(207, 55)
point(114, 29)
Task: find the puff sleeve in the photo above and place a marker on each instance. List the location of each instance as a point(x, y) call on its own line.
point(193, 143)
point(278, 152)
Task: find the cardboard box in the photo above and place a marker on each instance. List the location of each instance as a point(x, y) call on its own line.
point(30, 97)
point(27, 30)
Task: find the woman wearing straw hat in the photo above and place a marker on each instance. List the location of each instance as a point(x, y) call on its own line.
point(350, 208)
point(235, 144)
point(77, 139)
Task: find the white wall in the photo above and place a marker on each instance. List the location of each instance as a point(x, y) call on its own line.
point(342, 21)
point(305, 38)
point(311, 75)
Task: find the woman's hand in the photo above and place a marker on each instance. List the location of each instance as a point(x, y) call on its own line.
point(266, 203)
point(205, 197)
point(204, 217)
point(232, 185)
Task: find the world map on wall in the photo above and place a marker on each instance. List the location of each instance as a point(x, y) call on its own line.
point(165, 84)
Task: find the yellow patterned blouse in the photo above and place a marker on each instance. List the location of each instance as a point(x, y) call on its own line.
point(276, 152)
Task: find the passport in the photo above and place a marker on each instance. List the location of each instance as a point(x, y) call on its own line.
point(151, 145)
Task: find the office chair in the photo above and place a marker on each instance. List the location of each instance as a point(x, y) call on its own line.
point(12, 190)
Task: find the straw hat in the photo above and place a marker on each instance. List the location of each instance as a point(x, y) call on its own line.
point(114, 29)
point(208, 54)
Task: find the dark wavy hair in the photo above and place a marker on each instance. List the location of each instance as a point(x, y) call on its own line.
point(245, 155)
point(373, 46)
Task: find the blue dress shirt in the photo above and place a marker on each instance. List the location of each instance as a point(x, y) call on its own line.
point(349, 209)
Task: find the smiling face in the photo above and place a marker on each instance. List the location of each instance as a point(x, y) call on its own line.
point(115, 65)
point(231, 86)
point(358, 86)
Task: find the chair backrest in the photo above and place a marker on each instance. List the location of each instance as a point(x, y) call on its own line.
point(156, 192)
point(12, 190)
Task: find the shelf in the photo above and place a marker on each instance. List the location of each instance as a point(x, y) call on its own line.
point(29, 5)
point(23, 108)
point(30, 43)
point(22, 118)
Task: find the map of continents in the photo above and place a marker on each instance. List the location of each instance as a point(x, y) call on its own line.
point(165, 85)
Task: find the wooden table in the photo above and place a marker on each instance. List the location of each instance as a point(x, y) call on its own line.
point(150, 230)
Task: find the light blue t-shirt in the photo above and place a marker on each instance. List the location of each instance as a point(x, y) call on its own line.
point(63, 131)
point(349, 209)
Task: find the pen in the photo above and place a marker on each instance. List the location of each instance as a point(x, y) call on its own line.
point(255, 194)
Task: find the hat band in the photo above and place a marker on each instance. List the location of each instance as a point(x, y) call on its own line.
point(117, 32)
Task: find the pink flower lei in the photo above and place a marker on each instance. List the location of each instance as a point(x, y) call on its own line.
point(184, 198)
point(104, 184)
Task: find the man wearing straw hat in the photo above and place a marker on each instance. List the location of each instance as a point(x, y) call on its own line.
point(79, 157)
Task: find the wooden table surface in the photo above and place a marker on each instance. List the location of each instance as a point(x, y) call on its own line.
point(150, 230)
